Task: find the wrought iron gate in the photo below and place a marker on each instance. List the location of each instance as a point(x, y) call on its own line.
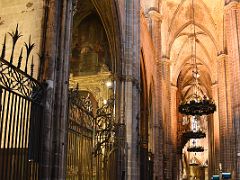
point(91, 140)
point(80, 137)
point(20, 114)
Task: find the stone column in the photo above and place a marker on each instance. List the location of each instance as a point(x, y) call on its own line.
point(174, 127)
point(167, 121)
point(155, 29)
point(56, 47)
point(216, 133)
point(232, 29)
point(131, 89)
point(223, 119)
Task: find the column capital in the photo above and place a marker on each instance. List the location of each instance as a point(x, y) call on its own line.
point(154, 15)
point(215, 84)
point(165, 59)
point(231, 5)
point(222, 57)
point(174, 87)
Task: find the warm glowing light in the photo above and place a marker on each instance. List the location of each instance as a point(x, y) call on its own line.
point(109, 84)
point(104, 101)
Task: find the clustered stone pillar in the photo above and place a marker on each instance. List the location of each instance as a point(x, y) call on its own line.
point(232, 29)
point(224, 112)
point(131, 89)
point(166, 108)
point(56, 53)
point(216, 142)
point(155, 28)
point(174, 128)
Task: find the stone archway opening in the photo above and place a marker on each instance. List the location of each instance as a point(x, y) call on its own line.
point(92, 107)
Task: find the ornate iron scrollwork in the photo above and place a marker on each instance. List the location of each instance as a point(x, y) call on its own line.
point(102, 123)
point(16, 77)
point(81, 109)
point(105, 126)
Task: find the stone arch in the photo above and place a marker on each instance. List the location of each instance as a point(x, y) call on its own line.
point(178, 10)
point(109, 15)
point(178, 32)
point(177, 69)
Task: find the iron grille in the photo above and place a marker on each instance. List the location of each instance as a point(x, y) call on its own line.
point(20, 114)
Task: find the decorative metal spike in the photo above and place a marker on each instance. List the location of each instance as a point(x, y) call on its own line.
point(4, 47)
point(15, 36)
point(29, 48)
point(32, 66)
point(20, 59)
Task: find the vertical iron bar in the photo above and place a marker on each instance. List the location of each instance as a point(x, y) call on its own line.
point(5, 154)
point(16, 138)
point(32, 139)
point(7, 138)
point(27, 137)
point(11, 133)
point(38, 134)
point(34, 125)
point(23, 138)
point(1, 132)
point(1, 120)
point(21, 150)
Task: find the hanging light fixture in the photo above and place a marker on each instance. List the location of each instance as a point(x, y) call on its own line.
point(194, 147)
point(194, 135)
point(195, 131)
point(197, 104)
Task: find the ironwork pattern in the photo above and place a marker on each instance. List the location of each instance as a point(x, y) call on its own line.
point(105, 127)
point(80, 136)
point(16, 77)
point(95, 134)
point(20, 114)
point(80, 109)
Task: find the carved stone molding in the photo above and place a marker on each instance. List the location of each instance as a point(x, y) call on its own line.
point(155, 15)
point(232, 4)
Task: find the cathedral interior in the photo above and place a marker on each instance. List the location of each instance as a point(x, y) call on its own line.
point(119, 89)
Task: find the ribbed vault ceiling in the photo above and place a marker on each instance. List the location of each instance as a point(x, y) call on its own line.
point(177, 30)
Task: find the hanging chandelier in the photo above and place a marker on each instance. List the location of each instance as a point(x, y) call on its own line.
point(196, 131)
point(194, 135)
point(194, 147)
point(197, 104)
